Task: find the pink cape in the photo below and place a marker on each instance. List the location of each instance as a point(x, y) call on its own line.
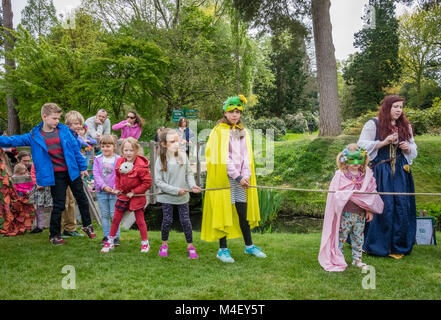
point(330, 256)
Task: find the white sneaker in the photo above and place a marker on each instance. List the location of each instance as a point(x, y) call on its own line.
point(107, 247)
point(359, 264)
point(145, 248)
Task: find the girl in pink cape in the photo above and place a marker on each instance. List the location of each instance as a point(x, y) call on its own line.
point(346, 212)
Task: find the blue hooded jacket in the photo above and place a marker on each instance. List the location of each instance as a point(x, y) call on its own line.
point(43, 165)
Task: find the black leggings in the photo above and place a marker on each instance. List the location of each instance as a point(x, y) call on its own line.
point(241, 208)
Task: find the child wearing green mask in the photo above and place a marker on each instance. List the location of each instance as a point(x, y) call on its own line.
point(346, 211)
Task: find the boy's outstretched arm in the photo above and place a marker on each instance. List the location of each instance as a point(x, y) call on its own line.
point(15, 141)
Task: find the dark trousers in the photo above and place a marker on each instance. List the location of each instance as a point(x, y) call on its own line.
point(241, 208)
point(184, 218)
point(58, 192)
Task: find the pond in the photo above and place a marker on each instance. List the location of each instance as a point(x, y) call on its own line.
point(285, 222)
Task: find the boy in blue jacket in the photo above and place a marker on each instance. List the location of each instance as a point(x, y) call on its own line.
point(58, 164)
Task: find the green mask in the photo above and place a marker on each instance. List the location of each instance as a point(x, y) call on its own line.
point(356, 157)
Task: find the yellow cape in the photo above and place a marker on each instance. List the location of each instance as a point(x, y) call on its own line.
point(219, 217)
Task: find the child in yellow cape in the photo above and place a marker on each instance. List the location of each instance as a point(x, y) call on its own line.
point(230, 213)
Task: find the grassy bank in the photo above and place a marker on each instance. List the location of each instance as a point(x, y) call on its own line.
point(31, 268)
point(307, 161)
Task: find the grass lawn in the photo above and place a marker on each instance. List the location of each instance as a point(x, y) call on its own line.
point(31, 268)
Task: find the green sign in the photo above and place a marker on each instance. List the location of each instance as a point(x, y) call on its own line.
point(186, 113)
point(176, 115)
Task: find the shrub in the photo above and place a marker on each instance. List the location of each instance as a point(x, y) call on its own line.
point(277, 124)
point(296, 123)
point(269, 205)
point(355, 125)
point(299, 122)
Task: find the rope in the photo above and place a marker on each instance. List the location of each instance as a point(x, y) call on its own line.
point(304, 190)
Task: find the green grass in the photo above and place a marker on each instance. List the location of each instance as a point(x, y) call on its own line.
point(31, 268)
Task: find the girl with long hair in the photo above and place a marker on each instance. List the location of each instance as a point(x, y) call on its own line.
point(389, 141)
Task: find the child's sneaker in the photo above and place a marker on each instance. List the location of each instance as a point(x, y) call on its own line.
point(68, 234)
point(145, 248)
point(255, 251)
point(89, 231)
point(163, 251)
point(36, 230)
point(359, 264)
point(224, 255)
point(116, 242)
point(57, 241)
point(192, 253)
point(107, 247)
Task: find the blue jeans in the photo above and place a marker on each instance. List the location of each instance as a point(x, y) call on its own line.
point(106, 202)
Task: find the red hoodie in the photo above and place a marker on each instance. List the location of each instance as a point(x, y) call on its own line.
point(138, 181)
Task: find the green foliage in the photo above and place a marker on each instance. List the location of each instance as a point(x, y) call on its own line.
point(300, 122)
point(276, 124)
point(353, 126)
point(420, 51)
point(287, 93)
point(129, 71)
point(269, 205)
point(38, 17)
point(420, 97)
point(377, 65)
point(426, 120)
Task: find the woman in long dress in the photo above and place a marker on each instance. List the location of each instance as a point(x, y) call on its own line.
point(389, 141)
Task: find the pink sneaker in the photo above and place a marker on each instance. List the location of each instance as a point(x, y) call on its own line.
point(107, 247)
point(145, 248)
point(163, 251)
point(192, 253)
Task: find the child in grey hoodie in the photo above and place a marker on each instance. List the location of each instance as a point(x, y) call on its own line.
point(174, 177)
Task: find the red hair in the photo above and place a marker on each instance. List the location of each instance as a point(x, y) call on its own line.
point(384, 119)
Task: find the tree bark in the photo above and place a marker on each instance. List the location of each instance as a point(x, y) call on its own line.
point(330, 122)
point(11, 101)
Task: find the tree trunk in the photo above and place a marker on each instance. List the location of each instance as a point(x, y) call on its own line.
point(11, 101)
point(330, 122)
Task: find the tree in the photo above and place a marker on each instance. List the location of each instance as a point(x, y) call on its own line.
point(128, 72)
point(330, 122)
point(52, 69)
point(11, 101)
point(38, 17)
point(420, 45)
point(196, 38)
point(286, 94)
point(377, 65)
point(277, 15)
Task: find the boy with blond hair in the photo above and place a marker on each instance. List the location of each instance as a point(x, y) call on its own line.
point(58, 164)
point(73, 119)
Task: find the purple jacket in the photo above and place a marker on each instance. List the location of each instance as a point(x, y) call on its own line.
point(126, 132)
point(98, 173)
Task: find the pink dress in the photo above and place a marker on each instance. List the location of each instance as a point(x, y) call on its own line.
point(330, 257)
